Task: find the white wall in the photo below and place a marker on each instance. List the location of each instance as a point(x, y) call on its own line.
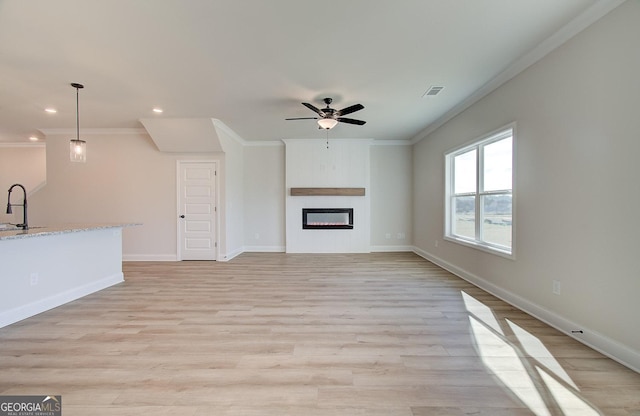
point(43, 272)
point(264, 203)
point(391, 199)
point(577, 148)
point(125, 180)
point(232, 196)
point(343, 164)
point(21, 164)
point(390, 189)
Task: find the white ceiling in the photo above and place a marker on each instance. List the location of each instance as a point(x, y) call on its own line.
point(250, 63)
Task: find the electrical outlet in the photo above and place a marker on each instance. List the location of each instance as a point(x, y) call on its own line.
point(557, 287)
point(436, 243)
point(33, 279)
point(387, 236)
point(400, 236)
point(257, 236)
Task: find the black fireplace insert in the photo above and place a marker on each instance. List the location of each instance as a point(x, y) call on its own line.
point(327, 218)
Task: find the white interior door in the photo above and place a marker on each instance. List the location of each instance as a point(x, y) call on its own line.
point(197, 211)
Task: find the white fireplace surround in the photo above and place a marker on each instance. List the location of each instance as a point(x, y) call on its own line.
point(345, 164)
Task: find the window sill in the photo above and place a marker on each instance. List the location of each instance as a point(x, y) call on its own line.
point(482, 247)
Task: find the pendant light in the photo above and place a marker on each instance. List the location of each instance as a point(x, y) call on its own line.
point(77, 147)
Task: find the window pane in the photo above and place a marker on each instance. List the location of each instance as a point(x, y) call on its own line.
point(497, 165)
point(465, 172)
point(464, 215)
point(496, 221)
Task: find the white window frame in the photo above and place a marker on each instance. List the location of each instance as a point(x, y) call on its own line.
point(478, 144)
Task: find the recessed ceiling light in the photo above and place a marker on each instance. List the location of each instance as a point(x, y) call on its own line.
point(157, 110)
point(33, 138)
point(51, 110)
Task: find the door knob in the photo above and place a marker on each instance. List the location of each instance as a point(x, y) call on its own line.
point(181, 216)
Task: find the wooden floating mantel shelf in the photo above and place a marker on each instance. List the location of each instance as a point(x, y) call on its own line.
point(327, 191)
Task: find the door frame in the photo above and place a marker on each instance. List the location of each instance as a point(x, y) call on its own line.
point(216, 213)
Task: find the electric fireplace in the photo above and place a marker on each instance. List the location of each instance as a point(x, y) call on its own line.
point(327, 218)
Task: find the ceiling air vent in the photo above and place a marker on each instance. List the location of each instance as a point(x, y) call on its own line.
point(432, 91)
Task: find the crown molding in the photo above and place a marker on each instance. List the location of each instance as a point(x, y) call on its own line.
point(264, 143)
point(376, 142)
point(25, 144)
point(571, 29)
point(94, 132)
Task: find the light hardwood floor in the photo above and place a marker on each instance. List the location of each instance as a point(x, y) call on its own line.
point(276, 334)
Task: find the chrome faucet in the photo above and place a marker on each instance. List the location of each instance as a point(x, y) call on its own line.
point(24, 225)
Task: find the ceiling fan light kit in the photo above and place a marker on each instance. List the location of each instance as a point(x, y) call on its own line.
point(329, 117)
point(327, 123)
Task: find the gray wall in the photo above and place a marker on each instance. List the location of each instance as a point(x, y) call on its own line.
point(125, 180)
point(390, 197)
point(25, 165)
point(391, 187)
point(264, 184)
point(577, 149)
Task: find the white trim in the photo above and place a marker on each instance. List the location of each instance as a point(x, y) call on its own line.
point(87, 132)
point(364, 140)
point(377, 142)
point(482, 247)
point(149, 257)
point(231, 255)
point(216, 216)
point(25, 144)
point(26, 311)
point(593, 339)
point(477, 144)
point(388, 249)
point(263, 143)
point(264, 249)
point(495, 135)
point(374, 142)
point(571, 29)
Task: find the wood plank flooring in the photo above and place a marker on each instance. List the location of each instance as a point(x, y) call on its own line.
point(278, 334)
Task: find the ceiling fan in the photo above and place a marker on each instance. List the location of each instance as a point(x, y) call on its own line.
point(328, 117)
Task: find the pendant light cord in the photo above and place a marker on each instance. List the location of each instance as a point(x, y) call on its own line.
point(77, 87)
point(77, 114)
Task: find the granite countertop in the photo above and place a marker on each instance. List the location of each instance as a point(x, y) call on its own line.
point(14, 234)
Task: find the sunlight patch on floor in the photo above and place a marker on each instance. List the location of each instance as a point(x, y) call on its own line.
point(523, 364)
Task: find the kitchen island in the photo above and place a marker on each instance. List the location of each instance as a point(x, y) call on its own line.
point(45, 267)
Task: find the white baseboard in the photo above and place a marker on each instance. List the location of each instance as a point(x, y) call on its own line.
point(231, 254)
point(382, 249)
point(593, 339)
point(252, 249)
point(264, 249)
point(149, 257)
point(26, 311)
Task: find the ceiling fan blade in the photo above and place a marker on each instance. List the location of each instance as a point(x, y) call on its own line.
point(302, 118)
point(314, 109)
point(351, 121)
point(349, 110)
